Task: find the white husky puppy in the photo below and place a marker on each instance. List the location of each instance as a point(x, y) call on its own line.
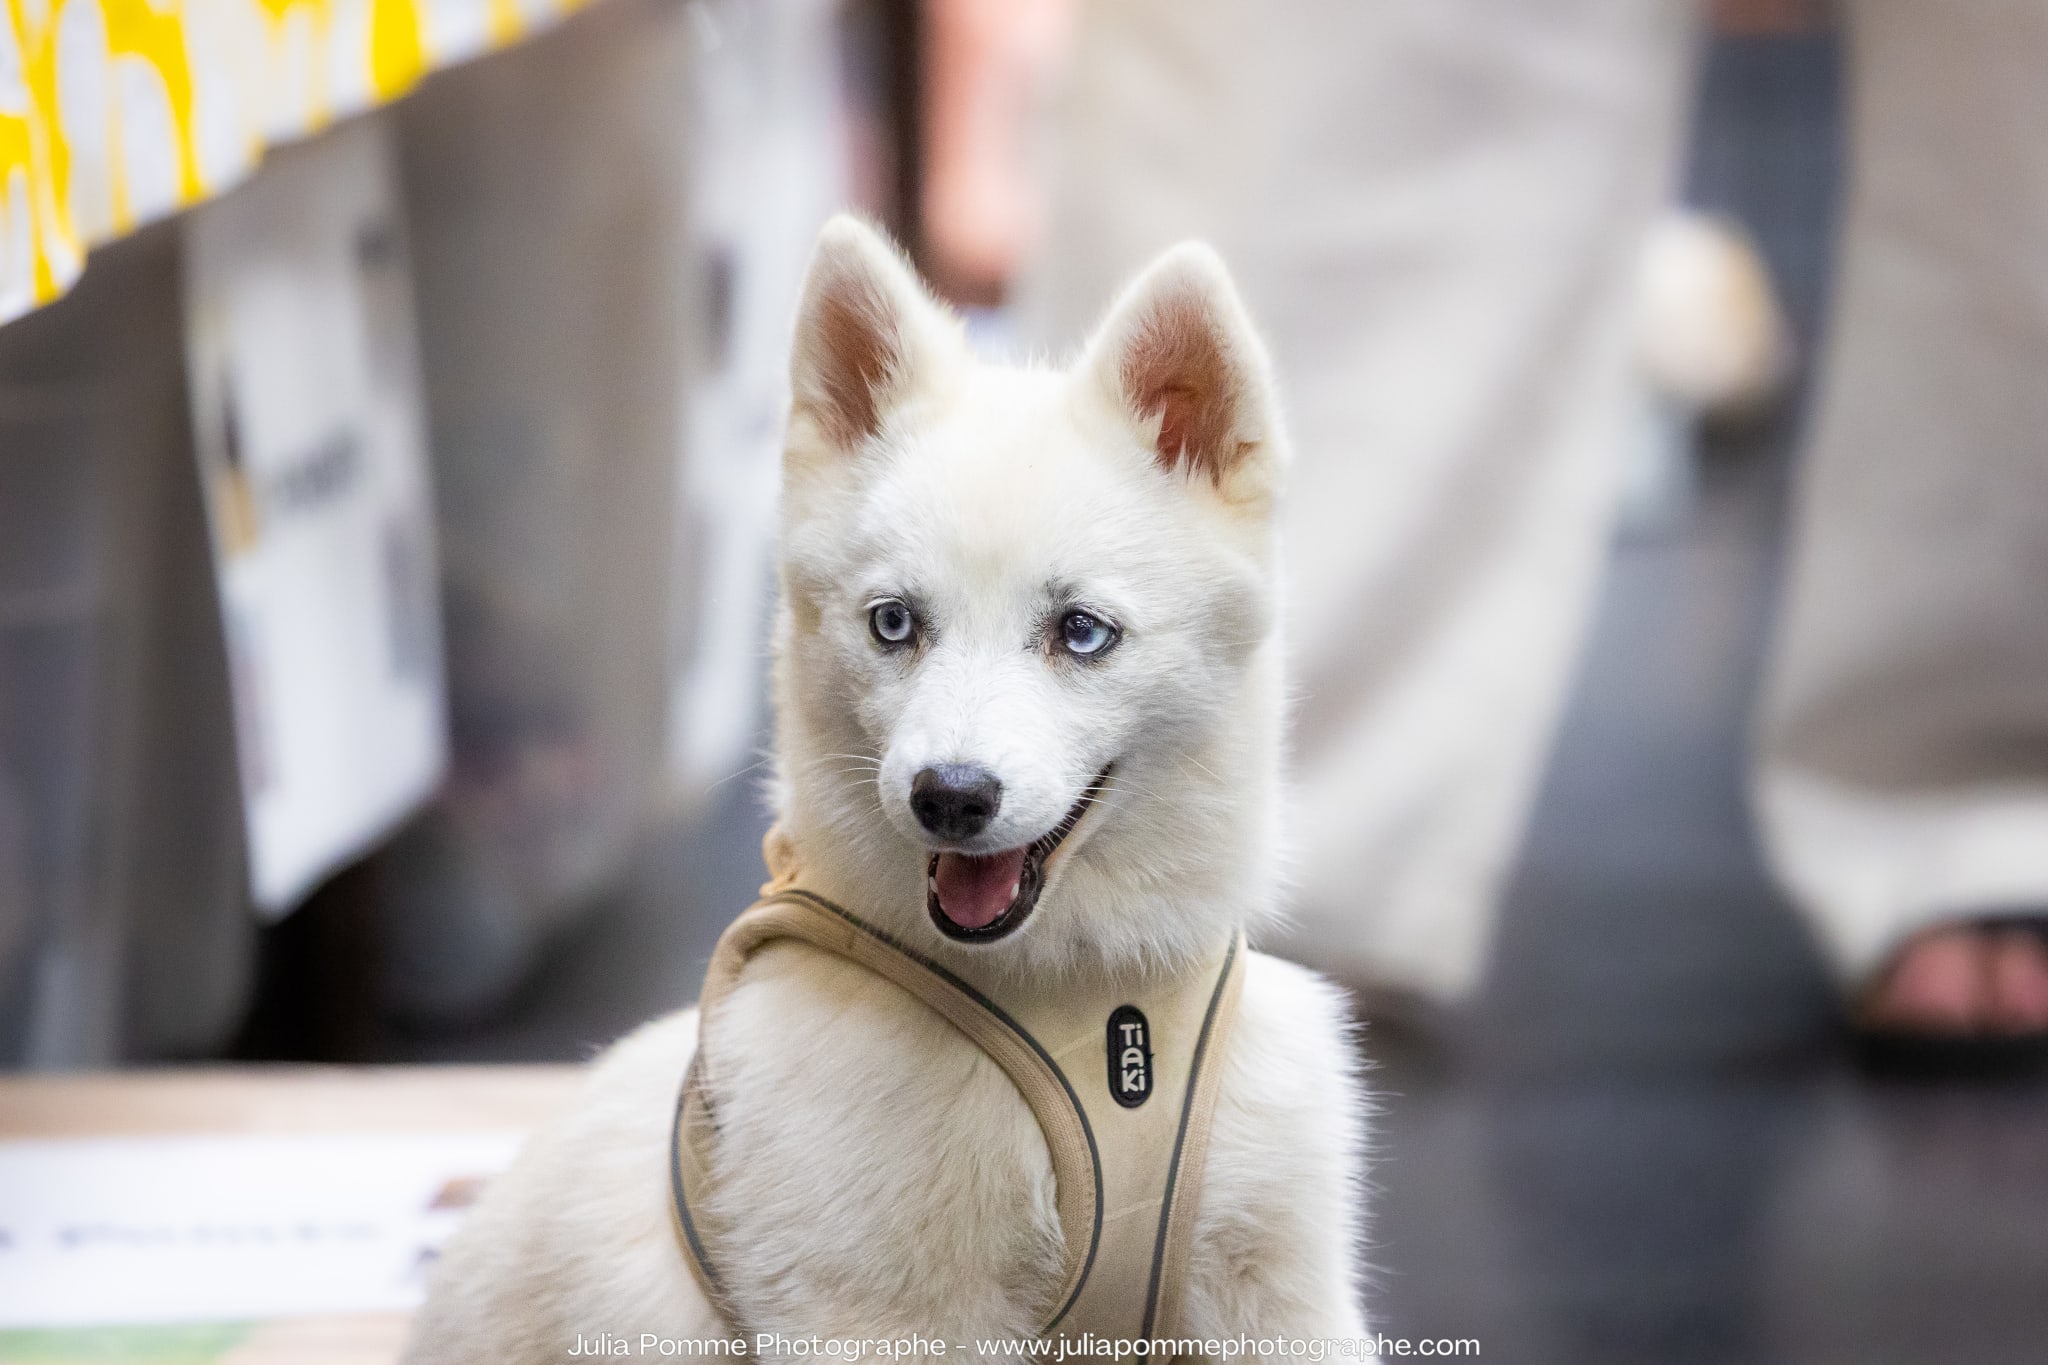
point(1029, 703)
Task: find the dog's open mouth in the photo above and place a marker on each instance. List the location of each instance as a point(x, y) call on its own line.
point(981, 898)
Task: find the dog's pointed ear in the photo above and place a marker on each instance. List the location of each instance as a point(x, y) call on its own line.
point(867, 337)
point(1179, 357)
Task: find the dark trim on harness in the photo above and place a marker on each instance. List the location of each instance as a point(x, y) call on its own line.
point(675, 1173)
point(1180, 1137)
point(1073, 1100)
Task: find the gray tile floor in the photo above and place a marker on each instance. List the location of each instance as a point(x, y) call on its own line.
point(1643, 1145)
point(1646, 1145)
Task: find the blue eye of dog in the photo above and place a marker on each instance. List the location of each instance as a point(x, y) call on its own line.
point(891, 622)
point(1086, 636)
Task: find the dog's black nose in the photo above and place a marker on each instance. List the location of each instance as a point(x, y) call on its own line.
point(955, 800)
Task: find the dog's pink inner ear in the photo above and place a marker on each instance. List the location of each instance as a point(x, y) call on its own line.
point(851, 352)
point(1177, 368)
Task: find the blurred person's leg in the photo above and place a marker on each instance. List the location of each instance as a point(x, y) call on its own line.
point(1903, 775)
point(1435, 208)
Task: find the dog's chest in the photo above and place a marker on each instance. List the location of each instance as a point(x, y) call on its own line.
point(871, 1159)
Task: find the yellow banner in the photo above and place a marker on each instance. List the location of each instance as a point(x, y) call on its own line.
point(117, 112)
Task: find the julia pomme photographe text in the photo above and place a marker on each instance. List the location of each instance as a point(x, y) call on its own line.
point(777, 1346)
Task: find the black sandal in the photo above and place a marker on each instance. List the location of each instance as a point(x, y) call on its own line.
point(1907, 1054)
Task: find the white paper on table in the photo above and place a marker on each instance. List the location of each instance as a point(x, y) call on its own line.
point(307, 418)
point(124, 1231)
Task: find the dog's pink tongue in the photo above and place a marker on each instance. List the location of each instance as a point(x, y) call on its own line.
point(974, 892)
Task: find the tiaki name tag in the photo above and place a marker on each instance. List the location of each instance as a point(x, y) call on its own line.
point(1130, 1056)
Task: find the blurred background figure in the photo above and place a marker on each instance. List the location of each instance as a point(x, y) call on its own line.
point(1439, 211)
point(990, 87)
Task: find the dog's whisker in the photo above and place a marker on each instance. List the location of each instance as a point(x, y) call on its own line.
point(755, 766)
point(843, 763)
point(1120, 780)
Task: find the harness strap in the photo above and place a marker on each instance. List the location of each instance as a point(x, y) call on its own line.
point(1127, 1172)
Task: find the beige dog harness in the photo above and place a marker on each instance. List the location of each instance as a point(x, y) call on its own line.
point(1122, 1083)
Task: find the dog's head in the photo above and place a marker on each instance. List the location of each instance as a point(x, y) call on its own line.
point(1028, 679)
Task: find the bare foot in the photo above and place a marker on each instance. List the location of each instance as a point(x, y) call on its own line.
point(1963, 981)
point(2019, 983)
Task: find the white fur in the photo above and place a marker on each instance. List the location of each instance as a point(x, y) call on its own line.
point(882, 1176)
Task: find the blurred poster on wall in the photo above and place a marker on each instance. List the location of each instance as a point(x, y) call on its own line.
point(306, 409)
point(769, 165)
